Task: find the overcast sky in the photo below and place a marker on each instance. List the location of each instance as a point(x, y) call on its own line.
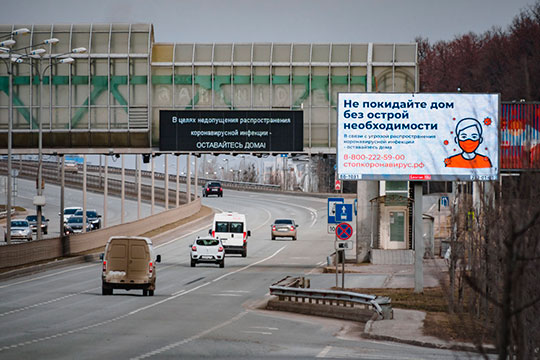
point(318, 21)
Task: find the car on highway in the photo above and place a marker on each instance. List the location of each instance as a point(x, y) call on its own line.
point(92, 216)
point(207, 250)
point(71, 166)
point(20, 229)
point(212, 188)
point(69, 211)
point(284, 228)
point(74, 225)
point(129, 262)
point(32, 220)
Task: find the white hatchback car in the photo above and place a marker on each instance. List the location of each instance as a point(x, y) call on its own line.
point(207, 250)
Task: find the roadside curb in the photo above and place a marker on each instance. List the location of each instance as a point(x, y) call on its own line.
point(447, 346)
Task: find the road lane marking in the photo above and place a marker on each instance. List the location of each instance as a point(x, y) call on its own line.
point(250, 265)
point(45, 276)
point(181, 237)
point(324, 352)
point(226, 295)
point(256, 332)
point(311, 210)
point(172, 297)
point(264, 327)
point(45, 302)
point(190, 339)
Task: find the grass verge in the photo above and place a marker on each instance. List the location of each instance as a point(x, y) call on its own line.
point(439, 322)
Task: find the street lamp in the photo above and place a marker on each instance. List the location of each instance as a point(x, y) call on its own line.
point(5, 47)
point(30, 53)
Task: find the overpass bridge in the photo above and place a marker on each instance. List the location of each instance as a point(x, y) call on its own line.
point(109, 99)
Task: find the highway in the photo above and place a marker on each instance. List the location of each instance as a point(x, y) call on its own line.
point(202, 312)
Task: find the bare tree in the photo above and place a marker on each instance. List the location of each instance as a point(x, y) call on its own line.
point(496, 255)
point(250, 174)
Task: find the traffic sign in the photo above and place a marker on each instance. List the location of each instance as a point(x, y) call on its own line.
point(343, 245)
point(337, 185)
point(344, 231)
point(444, 201)
point(332, 209)
point(343, 212)
point(332, 228)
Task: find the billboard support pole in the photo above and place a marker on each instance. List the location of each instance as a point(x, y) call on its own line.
point(418, 239)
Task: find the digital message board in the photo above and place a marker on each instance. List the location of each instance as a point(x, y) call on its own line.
point(418, 136)
point(230, 131)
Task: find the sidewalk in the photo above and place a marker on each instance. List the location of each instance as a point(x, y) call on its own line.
point(406, 325)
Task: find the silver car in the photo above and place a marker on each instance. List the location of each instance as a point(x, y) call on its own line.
point(20, 229)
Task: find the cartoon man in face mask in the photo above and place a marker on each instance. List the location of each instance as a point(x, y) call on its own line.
point(469, 138)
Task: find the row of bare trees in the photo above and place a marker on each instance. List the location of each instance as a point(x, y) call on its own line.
point(495, 264)
point(505, 61)
point(495, 259)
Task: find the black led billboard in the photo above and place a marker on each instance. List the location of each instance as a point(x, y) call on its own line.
point(230, 131)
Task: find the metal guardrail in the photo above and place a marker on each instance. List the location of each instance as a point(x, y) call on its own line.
point(380, 304)
point(201, 180)
point(3, 214)
point(29, 167)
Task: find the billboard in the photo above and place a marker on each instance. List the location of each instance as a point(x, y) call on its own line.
point(520, 136)
point(231, 131)
point(418, 136)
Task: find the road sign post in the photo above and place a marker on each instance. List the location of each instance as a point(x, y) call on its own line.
point(344, 232)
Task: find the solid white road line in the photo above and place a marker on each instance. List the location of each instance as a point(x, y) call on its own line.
point(250, 265)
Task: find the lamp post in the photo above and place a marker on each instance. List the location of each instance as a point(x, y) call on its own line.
point(39, 199)
point(5, 47)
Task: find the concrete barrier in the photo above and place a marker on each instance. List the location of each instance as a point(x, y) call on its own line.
point(34, 251)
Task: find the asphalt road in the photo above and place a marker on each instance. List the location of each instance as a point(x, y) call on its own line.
point(202, 312)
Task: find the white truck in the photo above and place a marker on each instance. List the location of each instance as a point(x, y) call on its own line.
point(231, 229)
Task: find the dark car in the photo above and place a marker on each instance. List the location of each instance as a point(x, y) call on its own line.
point(92, 216)
point(212, 188)
point(32, 220)
point(75, 225)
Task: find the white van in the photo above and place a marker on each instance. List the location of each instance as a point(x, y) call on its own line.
point(231, 229)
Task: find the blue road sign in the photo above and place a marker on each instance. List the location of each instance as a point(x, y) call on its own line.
point(332, 202)
point(344, 212)
point(344, 231)
point(444, 201)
